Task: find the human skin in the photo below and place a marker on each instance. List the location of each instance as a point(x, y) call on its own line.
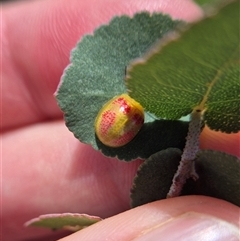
point(46, 170)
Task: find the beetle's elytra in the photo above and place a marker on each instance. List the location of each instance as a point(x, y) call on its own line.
point(119, 120)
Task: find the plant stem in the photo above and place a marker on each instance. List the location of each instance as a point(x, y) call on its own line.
point(186, 167)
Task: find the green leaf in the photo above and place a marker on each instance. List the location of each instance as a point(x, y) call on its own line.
point(97, 70)
point(153, 137)
point(218, 177)
point(196, 68)
point(68, 221)
point(154, 177)
point(211, 3)
point(204, 2)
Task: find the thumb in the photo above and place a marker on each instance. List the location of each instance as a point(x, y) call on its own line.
point(182, 218)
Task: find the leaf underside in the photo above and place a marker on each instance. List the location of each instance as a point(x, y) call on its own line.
point(67, 221)
point(218, 177)
point(198, 67)
point(98, 64)
point(154, 177)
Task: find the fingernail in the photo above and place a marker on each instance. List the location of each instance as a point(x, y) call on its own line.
point(191, 227)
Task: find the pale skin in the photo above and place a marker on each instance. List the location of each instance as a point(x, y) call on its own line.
point(46, 170)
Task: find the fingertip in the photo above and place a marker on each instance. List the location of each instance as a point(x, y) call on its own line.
point(191, 226)
point(170, 219)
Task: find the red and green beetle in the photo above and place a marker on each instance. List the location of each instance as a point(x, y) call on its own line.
point(119, 120)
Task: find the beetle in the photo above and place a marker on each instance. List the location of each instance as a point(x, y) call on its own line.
point(119, 121)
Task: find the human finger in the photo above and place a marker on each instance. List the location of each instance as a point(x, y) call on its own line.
point(46, 170)
point(186, 218)
point(37, 51)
